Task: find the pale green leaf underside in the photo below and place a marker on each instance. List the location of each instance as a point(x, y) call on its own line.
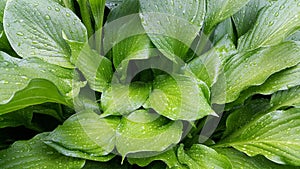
point(17, 73)
point(122, 99)
point(276, 135)
point(34, 29)
point(273, 25)
point(217, 11)
point(35, 154)
point(172, 25)
point(284, 98)
point(178, 97)
point(241, 160)
point(85, 135)
point(142, 131)
point(253, 68)
point(201, 156)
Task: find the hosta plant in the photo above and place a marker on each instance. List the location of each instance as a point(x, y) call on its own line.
point(181, 84)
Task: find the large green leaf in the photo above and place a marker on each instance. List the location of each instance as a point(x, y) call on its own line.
point(173, 25)
point(282, 80)
point(200, 156)
point(2, 6)
point(143, 131)
point(284, 98)
point(274, 135)
point(253, 68)
point(85, 135)
point(240, 160)
point(225, 28)
point(35, 154)
point(14, 119)
point(217, 11)
point(122, 99)
point(169, 157)
point(245, 18)
point(36, 30)
point(179, 97)
point(17, 74)
point(270, 27)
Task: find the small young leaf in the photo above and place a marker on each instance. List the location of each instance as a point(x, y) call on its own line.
point(274, 135)
point(253, 68)
point(142, 131)
point(270, 29)
point(85, 135)
point(178, 97)
point(36, 30)
point(35, 154)
point(173, 25)
point(200, 156)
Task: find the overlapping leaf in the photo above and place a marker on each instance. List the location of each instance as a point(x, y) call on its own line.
point(36, 30)
point(253, 68)
point(286, 98)
point(35, 154)
point(274, 135)
point(201, 156)
point(179, 97)
point(270, 27)
point(172, 25)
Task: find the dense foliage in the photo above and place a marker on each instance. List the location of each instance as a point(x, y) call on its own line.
point(181, 84)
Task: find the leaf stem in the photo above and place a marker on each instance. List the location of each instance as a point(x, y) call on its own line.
point(85, 15)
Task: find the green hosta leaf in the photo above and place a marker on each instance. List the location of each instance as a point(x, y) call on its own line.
point(212, 61)
point(173, 25)
point(36, 30)
point(238, 118)
point(284, 98)
point(224, 28)
point(200, 156)
point(178, 97)
point(14, 119)
point(114, 163)
point(35, 154)
point(17, 73)
point(142, 131)
point(38, 91)
point(169, 157)
point(245, 18)
point(217, 11)
point(240, 160)
point(124, 99)
point(270, 27)
point(97, 7)
point(274, 135)
point(85, 135)
point(253, 68)
point(95, 68)
point(282, 80)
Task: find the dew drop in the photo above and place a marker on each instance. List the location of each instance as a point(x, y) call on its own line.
point(8, 25)
point(57, 9)
point(68, 14)
point(276, 14)
point(271, 23)
point(20, 34)
point(47, 17)
point(281, 7)
point(49, 7)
